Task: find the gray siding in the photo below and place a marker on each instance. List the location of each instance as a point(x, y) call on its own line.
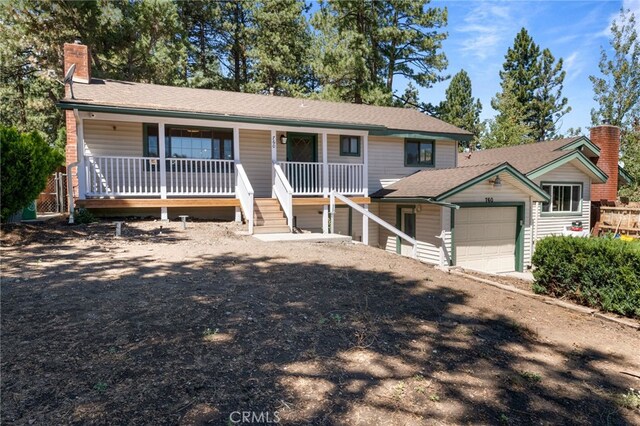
point(113, 138)
point(386, 160)
point(255, 156)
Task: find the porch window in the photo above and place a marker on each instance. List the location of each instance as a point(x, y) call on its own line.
point(188, 142)
point(565, 198)
point(350, 146)
point(419, 153)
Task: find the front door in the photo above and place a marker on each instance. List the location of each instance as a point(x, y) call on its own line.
point(408, 226)
point(301, 147)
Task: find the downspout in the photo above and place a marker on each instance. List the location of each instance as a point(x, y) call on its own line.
point(70, 190)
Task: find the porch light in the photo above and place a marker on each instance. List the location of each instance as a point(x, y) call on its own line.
point(497, 182)
point(283, 139)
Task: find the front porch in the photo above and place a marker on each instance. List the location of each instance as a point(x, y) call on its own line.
point(129, 162)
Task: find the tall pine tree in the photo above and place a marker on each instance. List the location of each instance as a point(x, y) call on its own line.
point(617, 92)
point(460, 108)
point(535, 81)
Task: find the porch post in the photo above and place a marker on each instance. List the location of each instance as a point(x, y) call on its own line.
point(274, 161)
point(365, 226)
point(163, 170)
point(365, 165)
point(325, 184)
point(81, 171)
point(236, 159)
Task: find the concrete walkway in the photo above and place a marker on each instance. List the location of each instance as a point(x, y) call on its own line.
point(306, 237)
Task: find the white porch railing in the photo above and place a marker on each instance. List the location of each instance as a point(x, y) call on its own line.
point(284, 194)
point(140, 176)
point(244, 192)
point(122, 176)
point(187, 176)
point(332, 210)
point(307, 178)
point(347, 179)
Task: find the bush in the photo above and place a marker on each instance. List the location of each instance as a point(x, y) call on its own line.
point(83, 216)
point(602, 273)
point(26, 161)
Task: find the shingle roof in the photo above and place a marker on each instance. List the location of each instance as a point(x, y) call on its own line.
point(433, 182)
point(525, 158)
point(168, 98)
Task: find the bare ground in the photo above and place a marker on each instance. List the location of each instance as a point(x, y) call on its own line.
point(165, 326)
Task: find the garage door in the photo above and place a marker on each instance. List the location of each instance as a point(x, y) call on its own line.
point(485, 238)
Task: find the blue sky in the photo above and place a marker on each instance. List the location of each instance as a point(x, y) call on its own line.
point(480, 32)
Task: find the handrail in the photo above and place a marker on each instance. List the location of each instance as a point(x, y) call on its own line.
point(284, 193)
point(244, 192)
point(386, 225)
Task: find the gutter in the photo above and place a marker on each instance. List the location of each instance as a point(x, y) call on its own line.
point(417, 200)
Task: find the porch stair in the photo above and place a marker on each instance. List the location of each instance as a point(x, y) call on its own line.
point(268, 217)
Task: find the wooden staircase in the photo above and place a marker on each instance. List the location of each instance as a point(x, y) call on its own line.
point(268, 217)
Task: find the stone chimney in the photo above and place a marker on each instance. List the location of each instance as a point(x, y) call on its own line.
point(77, 53)
point(607, 138)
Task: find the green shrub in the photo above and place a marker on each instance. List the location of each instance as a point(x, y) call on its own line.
point(82, 216)
point(26, 161)
point(602, 273)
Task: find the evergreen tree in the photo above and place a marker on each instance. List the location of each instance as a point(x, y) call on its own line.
point(281, 50)
point(509, 126)
point(549, 105)
point(234, 44)
point(460, 108)
point(361, 45)
point(617, 92)
point(201, 24)
point(536, 81)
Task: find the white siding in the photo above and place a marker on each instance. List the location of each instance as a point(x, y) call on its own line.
point(509, 192)
point(386, 160)
point(428, 226)
point(113, 138)
point(549, 225)
point(255, 156)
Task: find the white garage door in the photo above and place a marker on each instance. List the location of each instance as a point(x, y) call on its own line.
point(485, 238)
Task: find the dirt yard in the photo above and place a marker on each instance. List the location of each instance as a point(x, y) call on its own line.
point(165, 326)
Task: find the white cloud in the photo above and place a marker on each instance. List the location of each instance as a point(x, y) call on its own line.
point(631, 5)
point(574, 64)
point(485, 27)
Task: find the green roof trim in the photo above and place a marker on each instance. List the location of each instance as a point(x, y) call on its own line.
point(622, 173)
point(415, 200)
point(505, 167)
point(410, 134)
point(580, 142)
point(207, 116)
point(573, 155)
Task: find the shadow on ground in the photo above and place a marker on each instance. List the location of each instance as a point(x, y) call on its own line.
point(125, 341)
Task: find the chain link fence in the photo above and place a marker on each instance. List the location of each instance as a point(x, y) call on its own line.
point(54, 197)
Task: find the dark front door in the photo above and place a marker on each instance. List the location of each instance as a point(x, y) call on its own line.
point(301, 147)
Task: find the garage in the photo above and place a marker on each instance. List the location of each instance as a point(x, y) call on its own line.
point(485, 238)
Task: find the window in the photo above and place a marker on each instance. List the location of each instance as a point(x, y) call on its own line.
point(186, 142)
point(419, 153)
point(565, 198)
point(350, 145)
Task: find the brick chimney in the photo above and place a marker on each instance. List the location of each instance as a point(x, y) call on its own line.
point(77, 53)
point(607, 138)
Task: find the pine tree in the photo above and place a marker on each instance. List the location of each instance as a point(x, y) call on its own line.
point(281, 50)
point(536, 81)
point(617, 92)
point(549, 105)
point(509, 126)
point(460, 108)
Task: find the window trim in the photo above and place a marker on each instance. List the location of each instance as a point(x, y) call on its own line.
point(562, 213)
point(167, 131)
point(350, 154)
point(433, 152)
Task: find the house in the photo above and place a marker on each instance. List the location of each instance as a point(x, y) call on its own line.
point(281, 163)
